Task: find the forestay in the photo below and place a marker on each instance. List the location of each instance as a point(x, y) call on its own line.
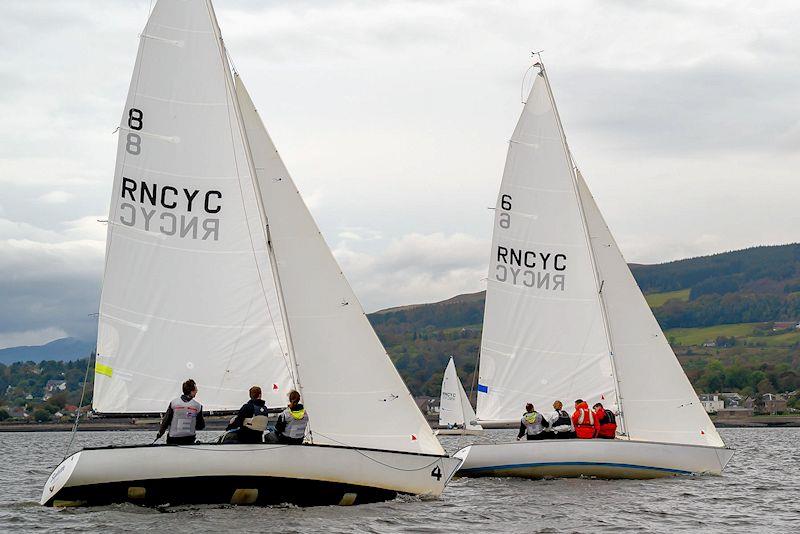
point(353, 393)
point(188, 290)
point(658, 400)
point(543, 334)
point(454, 406)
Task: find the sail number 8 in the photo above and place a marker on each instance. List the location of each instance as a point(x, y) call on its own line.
point(504, 219)
point(134, 141)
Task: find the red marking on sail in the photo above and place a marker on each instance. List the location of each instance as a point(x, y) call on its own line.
point(602, 397)
point(702, 433)
point(413, 437)
point(274, 386)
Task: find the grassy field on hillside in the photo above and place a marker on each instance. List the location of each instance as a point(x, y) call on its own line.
point(654, 300)
point(698, 336)
point(743, 332)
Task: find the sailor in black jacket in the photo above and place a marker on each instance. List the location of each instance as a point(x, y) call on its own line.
point(251, 421)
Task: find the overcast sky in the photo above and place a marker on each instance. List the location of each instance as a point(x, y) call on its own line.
point(393, 118)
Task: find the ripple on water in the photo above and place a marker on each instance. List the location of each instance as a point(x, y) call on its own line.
point(764, 474)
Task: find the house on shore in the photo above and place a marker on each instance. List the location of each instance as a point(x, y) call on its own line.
point(53, 387)
point(712, 403)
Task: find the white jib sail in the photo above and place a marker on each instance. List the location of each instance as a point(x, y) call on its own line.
point(658, 400)
point(352, 390)
point(543, 333)
point(454, 406)
point(188, 291)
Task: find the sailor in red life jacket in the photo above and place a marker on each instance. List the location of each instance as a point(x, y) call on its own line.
point(606, 422)
point(583, 420)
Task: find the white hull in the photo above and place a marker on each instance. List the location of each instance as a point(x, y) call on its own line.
point(244, 474)
point(590, 457)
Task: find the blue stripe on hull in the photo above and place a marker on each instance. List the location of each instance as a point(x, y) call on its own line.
point(558, 464)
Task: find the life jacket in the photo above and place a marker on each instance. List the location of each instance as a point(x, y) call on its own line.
point(260, 418)
point(606, 423)
point(533, 423)
point(584, 422)
point(184, 417)
point(296, 422)
point(563, 423)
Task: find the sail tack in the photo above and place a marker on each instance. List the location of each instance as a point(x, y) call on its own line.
point(543, 334)
point(352, 390)
point(188, 290)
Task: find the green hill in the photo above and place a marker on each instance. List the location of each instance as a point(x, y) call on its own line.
point(718, 312)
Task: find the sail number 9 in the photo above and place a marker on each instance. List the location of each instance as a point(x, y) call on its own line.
point(134, 141)
point(504, 220)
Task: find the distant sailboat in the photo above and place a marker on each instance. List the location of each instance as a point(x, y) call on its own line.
point(564, 319)
point(455, 412)
point(215, 270)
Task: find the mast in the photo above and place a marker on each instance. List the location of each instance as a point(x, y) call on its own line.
point(584, 225)
point(229, 82)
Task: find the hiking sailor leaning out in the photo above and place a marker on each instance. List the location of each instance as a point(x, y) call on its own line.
point(183, 417)
point(250, 423)
point(292, 423)
point(532, 424)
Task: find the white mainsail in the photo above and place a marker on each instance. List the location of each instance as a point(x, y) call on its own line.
point(353, 392)
point(188, 291)
point(454, 406)
point(594, 337)
point(543, 333)
point(658, 400)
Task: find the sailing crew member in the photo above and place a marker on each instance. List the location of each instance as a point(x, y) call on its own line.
point(606, 422)
point(292, 423)
point(560, 423)
point(532, 424)
point(183, 417)
point(583, 420)
point(251, 421)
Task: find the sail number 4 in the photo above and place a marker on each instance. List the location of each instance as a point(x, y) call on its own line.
point(436, 473)
point(134, 140)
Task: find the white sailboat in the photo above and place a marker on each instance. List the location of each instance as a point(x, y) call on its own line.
point(215, 270)
point(455, 411)
point(564, 319)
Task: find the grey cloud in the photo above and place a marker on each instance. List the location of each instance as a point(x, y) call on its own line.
point(690, 109)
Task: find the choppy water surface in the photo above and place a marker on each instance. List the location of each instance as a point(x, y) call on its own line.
point(759, 492)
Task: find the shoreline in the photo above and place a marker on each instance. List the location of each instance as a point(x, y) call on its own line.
point(219, 424)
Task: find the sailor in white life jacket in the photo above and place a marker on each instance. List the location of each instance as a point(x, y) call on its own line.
point(292, 423)
point(532, 424)
point(560, 423)
point(183, 417)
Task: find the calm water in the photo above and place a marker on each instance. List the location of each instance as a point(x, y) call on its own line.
point(759, 492)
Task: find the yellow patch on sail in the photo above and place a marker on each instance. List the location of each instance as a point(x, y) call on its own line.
point(101, 369)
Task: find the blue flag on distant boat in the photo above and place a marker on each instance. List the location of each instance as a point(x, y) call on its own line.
point(483, 389)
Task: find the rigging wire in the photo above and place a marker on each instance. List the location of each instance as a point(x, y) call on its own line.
point(80, 406)
point(438, 458)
